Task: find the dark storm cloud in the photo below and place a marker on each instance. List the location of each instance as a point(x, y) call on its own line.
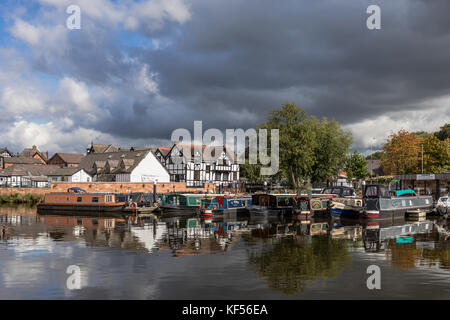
point(254, 55)
point(234, 60)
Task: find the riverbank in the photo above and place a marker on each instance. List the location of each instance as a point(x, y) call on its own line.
point(19, 198)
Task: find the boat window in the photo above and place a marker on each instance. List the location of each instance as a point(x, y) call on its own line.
point(347, 192)
point(371, 191)
point(336, 191)
point(327, 191)
point(79, 199)
point(94, 199)
point(285, 202)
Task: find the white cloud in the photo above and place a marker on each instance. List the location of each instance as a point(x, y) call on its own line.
point(150, 13)
point(21, 99)
point(431, 115)
point(26, 32)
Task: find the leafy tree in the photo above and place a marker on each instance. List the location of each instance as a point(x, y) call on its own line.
point(375, 156)
point(297, 142)
point(250, 171)
point(331, 148)
point(436, 156)
point(401, 153)
point(444, 133)
point(356, 166)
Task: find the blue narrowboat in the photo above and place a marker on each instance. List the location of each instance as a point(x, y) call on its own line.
point(225, 205)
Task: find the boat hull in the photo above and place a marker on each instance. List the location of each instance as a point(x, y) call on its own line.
point(178, 210)
point(86, 210)
point(230, 211)
point(345, 213)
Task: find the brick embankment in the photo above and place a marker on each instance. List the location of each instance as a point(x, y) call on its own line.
point(124, 187)
point(38, 192)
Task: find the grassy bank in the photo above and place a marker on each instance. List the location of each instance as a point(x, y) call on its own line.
point(20, 198)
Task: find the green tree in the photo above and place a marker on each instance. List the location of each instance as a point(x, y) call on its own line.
point(297, 142)
point(356, 166)
point(436, 155)
point(444, 133)
point(375, 156)
point(250, 171)
point(332, 144)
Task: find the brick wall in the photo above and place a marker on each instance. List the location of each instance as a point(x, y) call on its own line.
point(22, 191)
point(124, 187)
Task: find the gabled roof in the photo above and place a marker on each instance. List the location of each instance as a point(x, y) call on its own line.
point(64, 171)
point(126, 160)
point(164, 151)
point(31, 152)
point(28, 170)
point(2, 150)
point(22, 160)
point(69, 157)
point(102, 148)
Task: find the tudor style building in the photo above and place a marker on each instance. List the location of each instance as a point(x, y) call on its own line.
point(197, 170)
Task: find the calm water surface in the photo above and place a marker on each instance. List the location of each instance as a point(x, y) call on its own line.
point(180, 258)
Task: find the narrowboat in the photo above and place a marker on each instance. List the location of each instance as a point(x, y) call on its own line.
point(183, 204)
point(350, 207)
point(381, 203)
point(76, 200)
point(314, 205)
point(272, 205)
point(225, 205)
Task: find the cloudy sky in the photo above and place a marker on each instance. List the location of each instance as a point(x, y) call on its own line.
point(137, 70)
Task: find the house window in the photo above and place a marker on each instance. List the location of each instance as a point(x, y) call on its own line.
point(235, 176)
point(94, 199)
point(225, 176)
point(208, 168)
point(197, 175)
point(217, 176)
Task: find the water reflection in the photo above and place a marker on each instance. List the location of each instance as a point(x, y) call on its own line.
point(289, 256)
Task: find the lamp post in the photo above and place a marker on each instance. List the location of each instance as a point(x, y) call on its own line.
point(422, 157)
point(371, 160)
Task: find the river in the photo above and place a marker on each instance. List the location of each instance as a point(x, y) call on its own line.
point(192, 258)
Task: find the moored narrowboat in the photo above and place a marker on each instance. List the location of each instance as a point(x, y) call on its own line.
point(183, 204)
point(272, 205)
point(78, 201)
point(350, 207)
point(381, 203)
point(225, 205)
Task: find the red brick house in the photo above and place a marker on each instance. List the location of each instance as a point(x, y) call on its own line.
point(66, 160)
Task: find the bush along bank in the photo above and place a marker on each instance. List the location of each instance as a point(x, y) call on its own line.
point(20, 198)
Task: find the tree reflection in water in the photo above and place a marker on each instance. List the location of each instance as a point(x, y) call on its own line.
point(290, 264)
